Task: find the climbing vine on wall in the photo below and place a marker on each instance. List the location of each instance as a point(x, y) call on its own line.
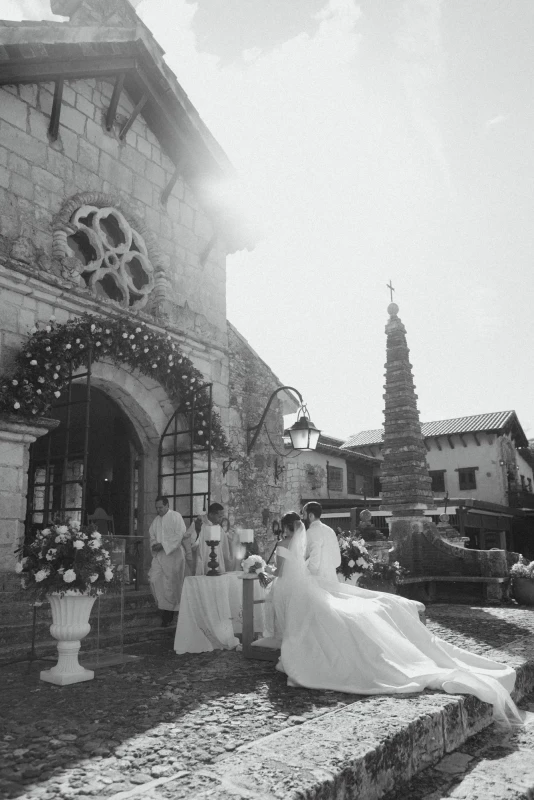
point(44, 364)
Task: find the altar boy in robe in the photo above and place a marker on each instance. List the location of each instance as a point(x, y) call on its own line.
point(199, 533)
point(171, 559)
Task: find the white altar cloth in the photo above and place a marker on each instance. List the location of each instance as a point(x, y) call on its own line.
point(211, 613)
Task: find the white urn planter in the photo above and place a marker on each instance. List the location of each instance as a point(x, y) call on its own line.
point(70, 624)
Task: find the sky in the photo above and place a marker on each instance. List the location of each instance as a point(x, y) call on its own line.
point(376, 140)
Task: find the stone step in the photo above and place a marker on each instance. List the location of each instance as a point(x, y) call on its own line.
point(370, 749)
point(46, 647)
point(140, 618)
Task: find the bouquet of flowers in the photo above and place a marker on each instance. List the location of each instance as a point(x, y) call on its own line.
point(522, 569)
point(354, 555)
point(379, 572)
point(255, 565)
point(66, 558)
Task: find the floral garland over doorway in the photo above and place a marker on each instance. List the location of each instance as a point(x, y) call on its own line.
point(44, 365)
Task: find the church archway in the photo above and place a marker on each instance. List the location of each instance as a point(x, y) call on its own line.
point(66, 480)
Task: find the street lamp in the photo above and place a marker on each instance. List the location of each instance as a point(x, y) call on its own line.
point(303, 433)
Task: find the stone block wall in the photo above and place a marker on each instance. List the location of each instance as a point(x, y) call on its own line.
point(38, 175)
point(252, 496)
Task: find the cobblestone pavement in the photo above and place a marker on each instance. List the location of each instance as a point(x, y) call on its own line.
point(166, 715)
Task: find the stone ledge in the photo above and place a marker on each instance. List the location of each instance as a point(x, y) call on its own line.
point(364, 750)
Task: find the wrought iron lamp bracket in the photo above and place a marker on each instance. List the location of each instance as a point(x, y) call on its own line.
point(254, 431)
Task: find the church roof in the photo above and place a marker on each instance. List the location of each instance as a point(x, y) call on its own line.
point(493, 422)
point(115, 45)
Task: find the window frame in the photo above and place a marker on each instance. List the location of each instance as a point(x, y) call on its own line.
point(437, 473)
point(464, 471)
point(339, 474)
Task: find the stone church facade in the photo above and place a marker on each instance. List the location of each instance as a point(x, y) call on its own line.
point(108, 208)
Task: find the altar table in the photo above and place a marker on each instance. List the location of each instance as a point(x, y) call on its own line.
point(211, 613)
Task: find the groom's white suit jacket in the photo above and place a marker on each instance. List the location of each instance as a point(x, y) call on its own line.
point(322, 551)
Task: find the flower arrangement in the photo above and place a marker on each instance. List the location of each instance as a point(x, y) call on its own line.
point(355, 558)
point(354, 555)
point(381, 573)
point(255, 565)
point(522, 569)
point(52, 351)
point(66, 559)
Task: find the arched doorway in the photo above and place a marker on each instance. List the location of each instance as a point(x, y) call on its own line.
point(92, 459)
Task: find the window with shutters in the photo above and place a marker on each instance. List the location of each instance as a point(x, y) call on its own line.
point(335, 479)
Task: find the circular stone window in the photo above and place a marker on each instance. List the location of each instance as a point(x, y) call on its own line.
point(114, 256)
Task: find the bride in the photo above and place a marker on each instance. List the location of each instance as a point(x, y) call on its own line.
point(340, 637)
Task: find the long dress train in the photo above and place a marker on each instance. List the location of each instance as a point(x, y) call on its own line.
point(348, 639)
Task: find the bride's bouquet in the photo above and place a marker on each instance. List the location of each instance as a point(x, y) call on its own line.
point(255, 565)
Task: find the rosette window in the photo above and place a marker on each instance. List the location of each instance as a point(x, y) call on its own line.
point(114, 257)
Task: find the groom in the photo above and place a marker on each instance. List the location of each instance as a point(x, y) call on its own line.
point(322, 548)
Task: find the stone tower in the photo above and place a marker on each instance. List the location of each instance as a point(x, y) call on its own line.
point(405, 480)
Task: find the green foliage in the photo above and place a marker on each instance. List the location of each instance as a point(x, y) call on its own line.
point(53, 351)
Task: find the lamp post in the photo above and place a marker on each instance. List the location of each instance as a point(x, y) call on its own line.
point(303, 433)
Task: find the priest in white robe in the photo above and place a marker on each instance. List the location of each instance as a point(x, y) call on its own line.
point(199, 534)
point(171, 559)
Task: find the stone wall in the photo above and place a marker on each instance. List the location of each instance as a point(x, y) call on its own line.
point(253, 497)
point(37, 176)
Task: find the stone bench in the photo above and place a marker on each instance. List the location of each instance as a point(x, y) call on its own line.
point(494, 589)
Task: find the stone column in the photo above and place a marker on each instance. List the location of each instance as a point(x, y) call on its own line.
point(405, 479)
point(406, 484)
point(16, 436)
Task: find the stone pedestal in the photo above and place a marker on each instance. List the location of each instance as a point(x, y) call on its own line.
point(16, 436)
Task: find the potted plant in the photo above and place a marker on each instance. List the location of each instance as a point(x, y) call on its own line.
point(68, 566)
point(522, 575)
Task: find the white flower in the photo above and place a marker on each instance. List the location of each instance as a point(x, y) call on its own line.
point(68, 346)
point(69, 576)
point(96, 535)
point(55, 376)
point(361, 562)
point(45, 531)
point(62, 529)
point(51, 554)
point(78, 544)
point(93, 326)
point(108, 574)
point(16, 405)
point(41, 575)
point(95, 544)
point(93, 577)
point(18, 567)
point(33, 362)
point(40, 379)
point(60, 539)
point(138, 330)
point(351, 564)
point(57, 394)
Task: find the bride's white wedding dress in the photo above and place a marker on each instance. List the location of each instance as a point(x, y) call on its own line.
point(341, 637)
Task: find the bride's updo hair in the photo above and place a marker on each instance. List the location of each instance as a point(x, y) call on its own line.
point(290, 520)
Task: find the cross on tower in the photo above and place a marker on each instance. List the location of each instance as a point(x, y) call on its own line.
point(391, 289)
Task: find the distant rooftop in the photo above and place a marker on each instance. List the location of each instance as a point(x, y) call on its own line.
point(493, 422)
